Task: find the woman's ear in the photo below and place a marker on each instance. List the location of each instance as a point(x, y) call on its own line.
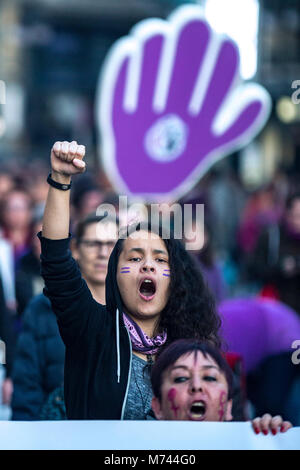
point(156, 407)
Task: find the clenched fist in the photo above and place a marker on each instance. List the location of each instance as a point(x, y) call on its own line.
point(67, 158)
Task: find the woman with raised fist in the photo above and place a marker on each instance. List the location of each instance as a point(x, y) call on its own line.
point(154, 295)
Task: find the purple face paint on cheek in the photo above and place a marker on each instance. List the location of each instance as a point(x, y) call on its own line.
point(171, 398)
point(124, 270)
point(166, 273)
point(223, 399)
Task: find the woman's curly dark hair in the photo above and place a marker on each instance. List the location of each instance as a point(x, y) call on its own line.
point(190, 311)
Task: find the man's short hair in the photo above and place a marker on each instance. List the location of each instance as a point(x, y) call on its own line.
point(182, 347)
point(93, 219)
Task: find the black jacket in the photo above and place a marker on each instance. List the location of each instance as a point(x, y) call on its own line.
point(39, 363)
point(98, 347)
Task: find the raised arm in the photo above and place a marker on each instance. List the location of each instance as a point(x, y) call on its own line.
point(76, 310)
point(66, 160)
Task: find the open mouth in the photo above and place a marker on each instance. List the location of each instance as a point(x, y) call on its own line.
point(197, 410)
point(147, 289)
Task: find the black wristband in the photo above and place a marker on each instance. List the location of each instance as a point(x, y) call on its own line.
point(63, 187)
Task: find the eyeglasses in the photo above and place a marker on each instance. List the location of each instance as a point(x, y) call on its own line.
point(94, 245)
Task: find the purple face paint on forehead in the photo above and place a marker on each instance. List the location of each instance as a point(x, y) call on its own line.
point(195, 357)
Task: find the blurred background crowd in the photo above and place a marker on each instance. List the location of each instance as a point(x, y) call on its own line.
point(50, 55)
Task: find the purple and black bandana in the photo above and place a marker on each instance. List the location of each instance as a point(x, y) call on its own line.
point(140, 341)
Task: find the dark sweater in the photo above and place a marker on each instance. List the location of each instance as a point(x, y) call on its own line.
point(39, 363)
point(97, 342)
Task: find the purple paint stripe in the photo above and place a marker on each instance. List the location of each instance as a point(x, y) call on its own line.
point(122, 272)
point(167, 275)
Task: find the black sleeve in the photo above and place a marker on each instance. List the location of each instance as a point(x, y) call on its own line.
point(78, 314)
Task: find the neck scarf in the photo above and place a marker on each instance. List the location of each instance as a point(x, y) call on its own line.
point(140, 341)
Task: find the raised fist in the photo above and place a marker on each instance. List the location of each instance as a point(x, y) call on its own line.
point(67, 158)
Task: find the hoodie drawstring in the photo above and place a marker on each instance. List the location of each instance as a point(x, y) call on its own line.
point(118, 346)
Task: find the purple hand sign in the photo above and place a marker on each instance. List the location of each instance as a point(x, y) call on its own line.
point(170, 104)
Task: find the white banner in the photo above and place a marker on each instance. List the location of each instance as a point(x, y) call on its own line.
point(140, 435)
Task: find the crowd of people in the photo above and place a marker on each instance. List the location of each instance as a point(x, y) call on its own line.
point(98, 326)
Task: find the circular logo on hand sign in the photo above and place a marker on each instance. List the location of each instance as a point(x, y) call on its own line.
point(166, 139)
point(170, 103)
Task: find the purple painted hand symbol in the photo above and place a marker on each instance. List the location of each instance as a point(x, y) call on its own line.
point(171, 104)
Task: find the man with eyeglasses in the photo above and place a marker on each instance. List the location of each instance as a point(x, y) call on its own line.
point(38, 371)
point(95, 239)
